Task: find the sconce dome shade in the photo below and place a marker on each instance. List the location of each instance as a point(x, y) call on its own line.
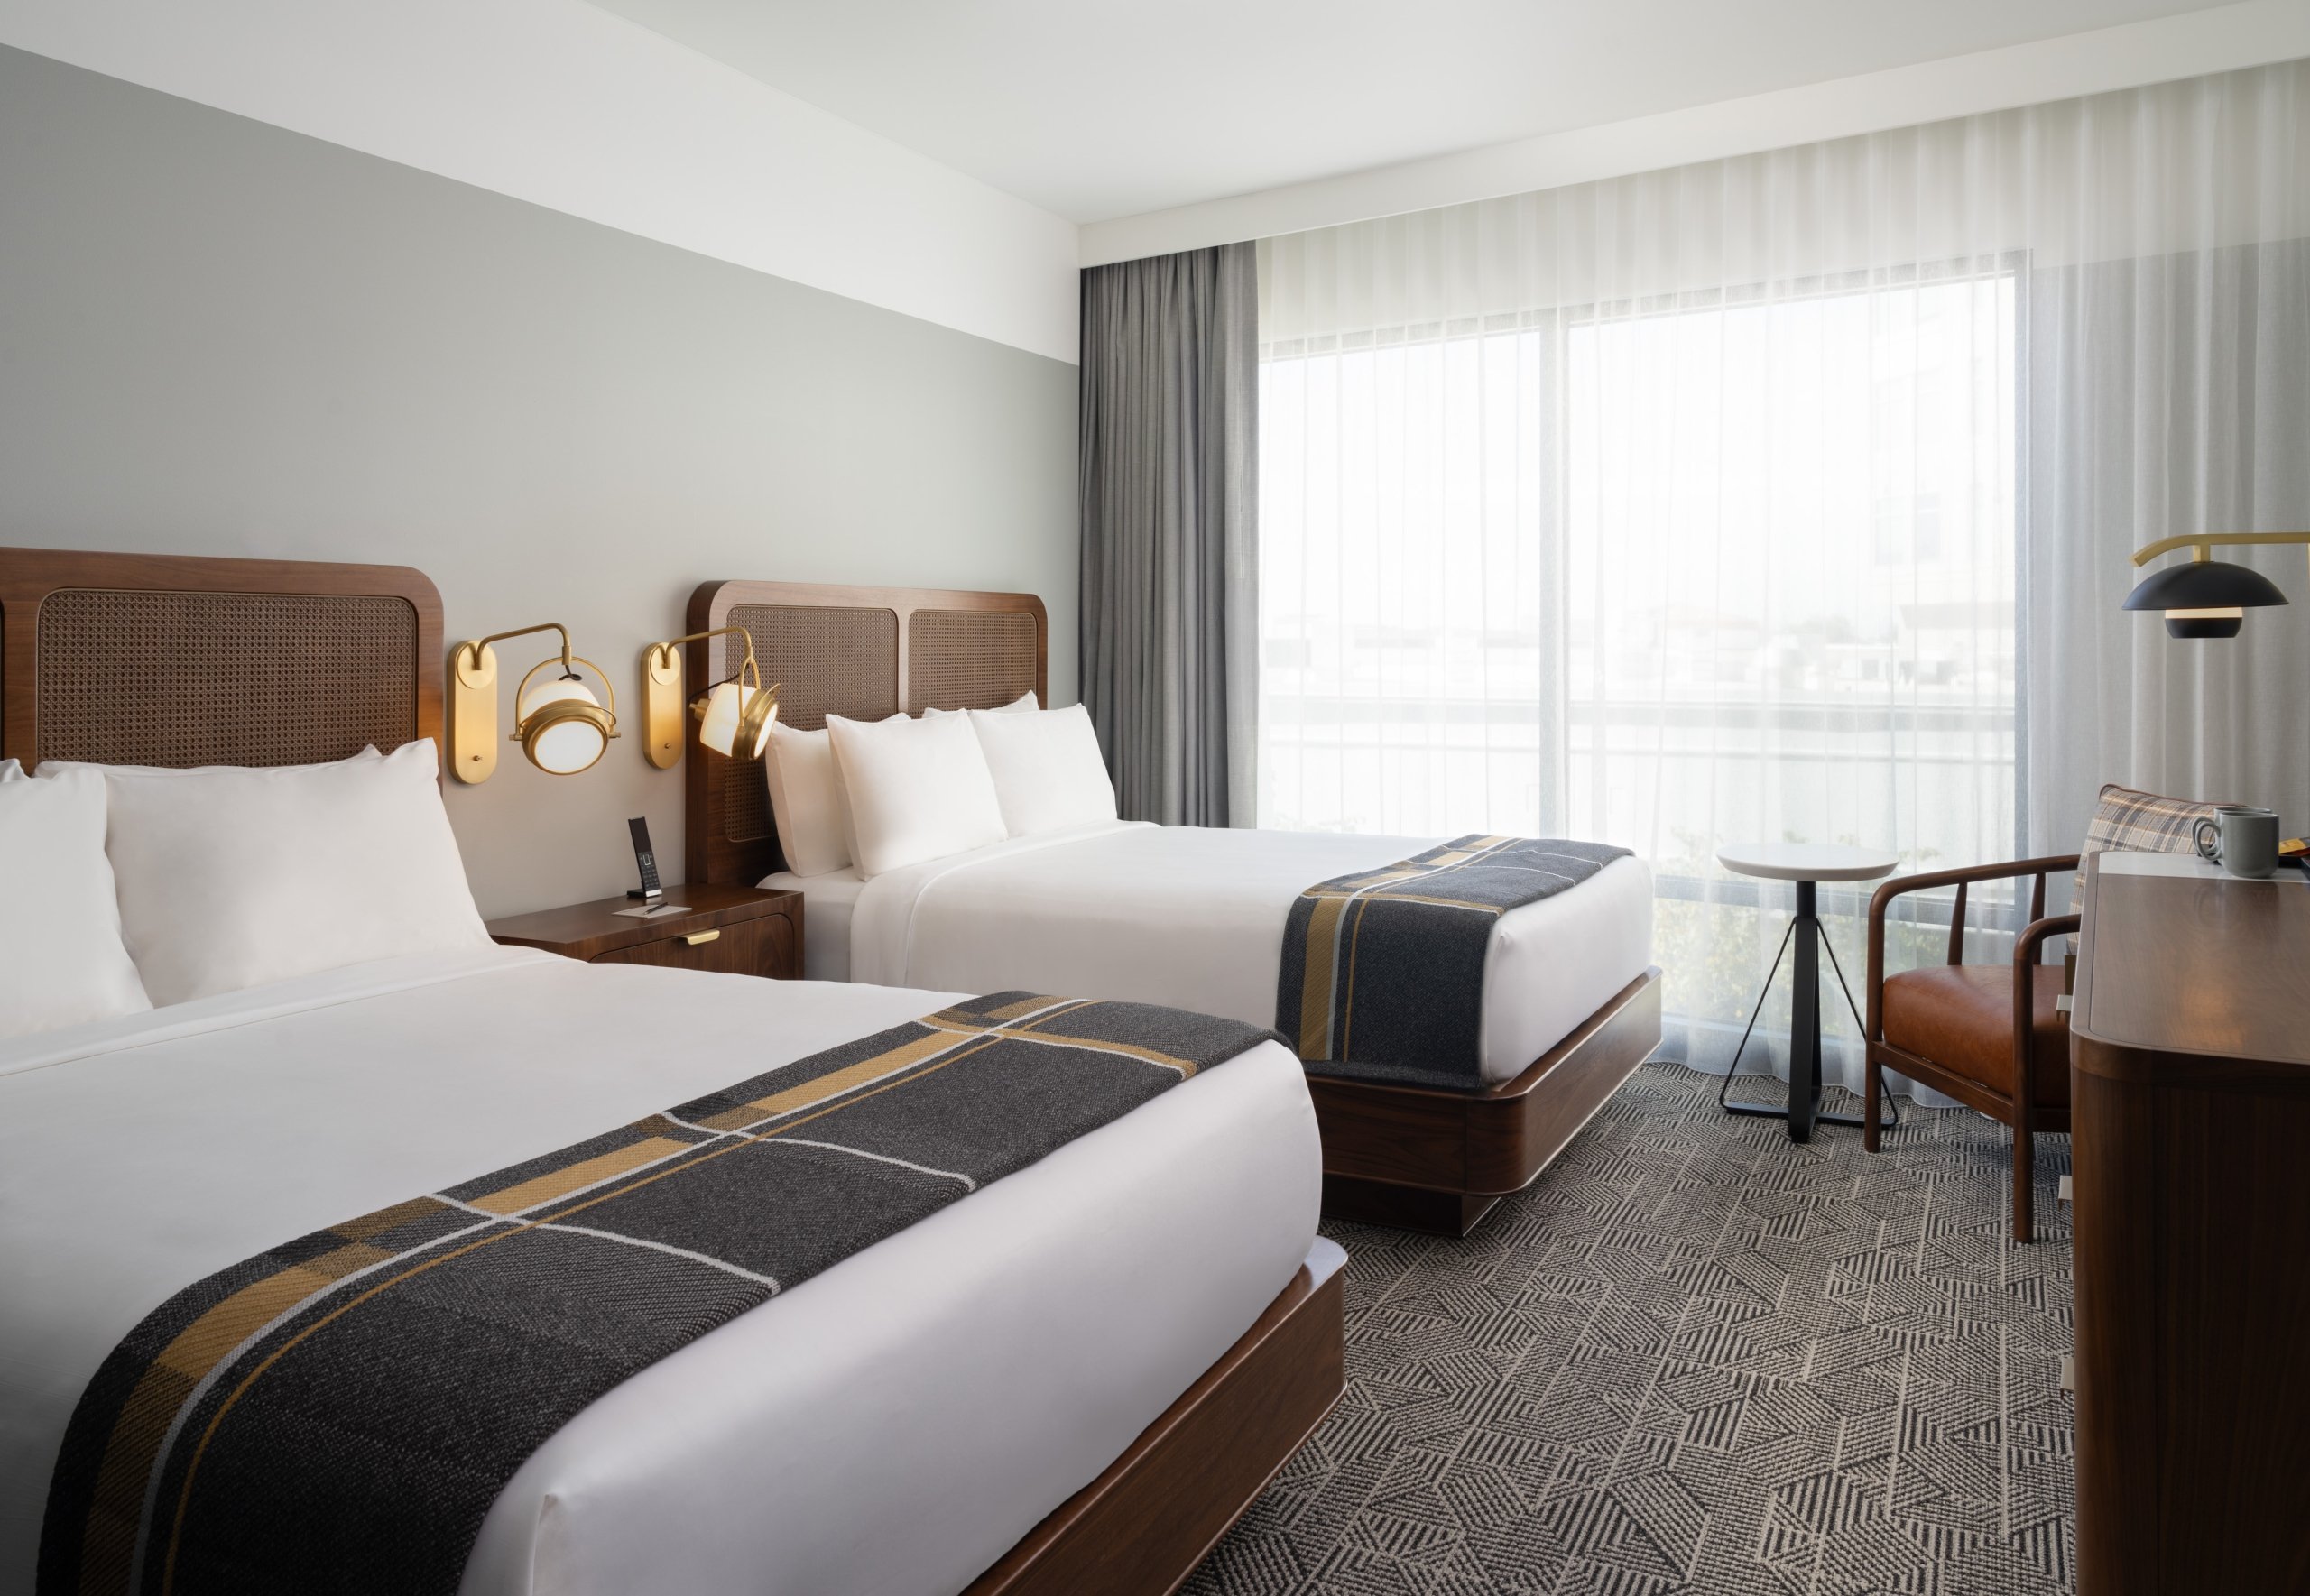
point(734, 719)
point(2205, 584)
point(562, 727)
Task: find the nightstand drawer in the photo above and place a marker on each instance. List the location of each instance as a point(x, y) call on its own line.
point(763, 946)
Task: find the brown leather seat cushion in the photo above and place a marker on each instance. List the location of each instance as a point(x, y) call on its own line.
point(1961, 1018)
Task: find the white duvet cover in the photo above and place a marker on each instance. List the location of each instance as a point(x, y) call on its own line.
point(1193, 916)
point(891, 1426)
point(828, 900)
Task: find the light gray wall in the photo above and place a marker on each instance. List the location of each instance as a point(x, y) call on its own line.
point(219, 337)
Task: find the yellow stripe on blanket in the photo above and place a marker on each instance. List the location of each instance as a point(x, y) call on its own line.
point(109, 1540)
point(833, 1084)
point(1316, 987)
point(560, 1183)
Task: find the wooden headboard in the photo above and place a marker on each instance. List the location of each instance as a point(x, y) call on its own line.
point(171, 659)
point(865, 652)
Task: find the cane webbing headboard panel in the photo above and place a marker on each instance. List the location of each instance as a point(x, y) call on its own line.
point(862, 652)
point(153, 660)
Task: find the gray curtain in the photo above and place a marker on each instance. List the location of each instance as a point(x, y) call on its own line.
point(1169, 487)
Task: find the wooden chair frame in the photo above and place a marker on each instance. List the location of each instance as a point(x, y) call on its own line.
point(2020, 1110)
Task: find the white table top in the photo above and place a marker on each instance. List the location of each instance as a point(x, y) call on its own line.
point(1809, 861)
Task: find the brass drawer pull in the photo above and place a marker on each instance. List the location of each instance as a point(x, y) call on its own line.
point(696, 937)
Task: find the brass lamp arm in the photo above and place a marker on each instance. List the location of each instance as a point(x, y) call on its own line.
point(663, 652)
point(2202, 543)
point(475, 645)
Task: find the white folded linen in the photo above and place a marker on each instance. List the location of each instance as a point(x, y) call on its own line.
point(826, 902)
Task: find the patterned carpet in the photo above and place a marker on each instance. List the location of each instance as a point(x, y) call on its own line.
point(1694, 1357)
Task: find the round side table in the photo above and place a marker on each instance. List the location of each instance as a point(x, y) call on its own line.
point(1807, 864)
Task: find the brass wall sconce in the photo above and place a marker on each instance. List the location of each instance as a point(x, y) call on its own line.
point(2207, 597)
point(734, 716)
point(561, 724)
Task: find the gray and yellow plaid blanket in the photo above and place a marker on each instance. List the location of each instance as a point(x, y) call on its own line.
point(338, 1414)
point(1383, 973)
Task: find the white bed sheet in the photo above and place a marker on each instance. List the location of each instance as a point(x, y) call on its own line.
point(892, 1425)
point(827, 901)
point(1193, 916)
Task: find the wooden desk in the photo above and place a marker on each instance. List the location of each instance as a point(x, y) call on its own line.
point(2190, 1081)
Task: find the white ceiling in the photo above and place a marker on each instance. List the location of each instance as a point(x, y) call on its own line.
point(1099, 108)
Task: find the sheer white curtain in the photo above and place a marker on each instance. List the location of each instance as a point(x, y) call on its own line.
point(1790, 496)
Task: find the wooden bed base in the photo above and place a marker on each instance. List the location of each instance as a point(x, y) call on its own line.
point(1423, 1159)
point(1139, 1529)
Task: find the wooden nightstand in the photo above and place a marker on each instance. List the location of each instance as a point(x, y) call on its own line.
point(731, 930)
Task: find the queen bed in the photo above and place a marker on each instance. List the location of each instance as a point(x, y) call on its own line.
point(1194, 916)
point(1070, 1377)
point(1569, 1003)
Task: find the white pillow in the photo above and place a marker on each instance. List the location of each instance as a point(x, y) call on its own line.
point(1023, 703)
point(805, 800)
point(842, 797)
point(231, 877)
point(1047, 768)
point(918, 790)
point(61, 962)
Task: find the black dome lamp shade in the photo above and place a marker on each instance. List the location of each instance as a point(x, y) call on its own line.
point(2207, 597)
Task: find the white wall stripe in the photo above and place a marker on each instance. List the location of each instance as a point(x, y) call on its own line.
point(563, 104)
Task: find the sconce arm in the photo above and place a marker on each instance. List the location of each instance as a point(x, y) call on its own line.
point(2202, 543)
point(665, 650)
point(474, 645)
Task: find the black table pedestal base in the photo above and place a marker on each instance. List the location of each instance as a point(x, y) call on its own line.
point(1803, 1111)
point(1765, 1111)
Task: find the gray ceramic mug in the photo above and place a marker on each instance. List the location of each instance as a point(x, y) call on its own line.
point(2241, 838)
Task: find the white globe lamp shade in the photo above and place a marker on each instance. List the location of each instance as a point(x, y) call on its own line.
point(735, 720)
point(563, 727)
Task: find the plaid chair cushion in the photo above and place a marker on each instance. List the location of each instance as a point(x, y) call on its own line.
point(2138, 823)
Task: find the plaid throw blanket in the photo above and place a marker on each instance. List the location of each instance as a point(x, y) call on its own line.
point(2138, 823)
point(1383, 973)
point(339, 1413)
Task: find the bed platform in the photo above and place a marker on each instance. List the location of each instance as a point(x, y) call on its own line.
point(1414, 1157)
point(1421, 1160)
point(1139, 1529)
point(277, 662)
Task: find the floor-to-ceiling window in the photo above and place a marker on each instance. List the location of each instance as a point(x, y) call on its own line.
point(1791, 598)
point(1410, 650)
point(1701, 569)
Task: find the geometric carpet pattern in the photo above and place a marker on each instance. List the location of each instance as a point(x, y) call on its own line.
point(1695, 1357)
